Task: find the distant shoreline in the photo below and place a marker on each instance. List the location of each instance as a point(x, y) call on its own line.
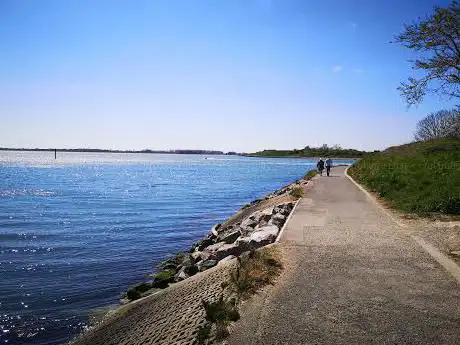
point(184, 152)
point(202, 152)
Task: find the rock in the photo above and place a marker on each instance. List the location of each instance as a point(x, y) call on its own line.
point(268, 211)
point(168, 265)
point(227, 258)
point(215, 229)
point(181, 275)
point(229, 237)
point(249, 223)
point(455, 253)
point(196, 256)
point(264, 235)
point(214, 247)
point(284, 209)
point(206, 264)
point(187, 261)
point(190, 270)
point(278, 220)
point(259, 238)
point(260, 216)
point(203, 244)
point(199, 256)
point(231, 249)
point(162, 279)
point(254, 216)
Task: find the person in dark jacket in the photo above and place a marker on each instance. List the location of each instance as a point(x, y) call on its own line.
point(328, 166)
point(320, 166)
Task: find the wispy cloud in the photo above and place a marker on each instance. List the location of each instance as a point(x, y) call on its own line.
point(354, 25)
point(337, 68)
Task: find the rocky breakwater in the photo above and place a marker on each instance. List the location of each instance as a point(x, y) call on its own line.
point(257, 224)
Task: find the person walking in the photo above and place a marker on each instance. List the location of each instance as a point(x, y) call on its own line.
point(320, 166)
point(328, 166)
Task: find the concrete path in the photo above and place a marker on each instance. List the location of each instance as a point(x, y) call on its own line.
point(352, 277)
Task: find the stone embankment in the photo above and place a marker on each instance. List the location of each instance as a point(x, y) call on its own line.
point(174, 315)
point(255, 225)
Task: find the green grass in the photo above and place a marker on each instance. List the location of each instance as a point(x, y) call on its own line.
point(421, 178)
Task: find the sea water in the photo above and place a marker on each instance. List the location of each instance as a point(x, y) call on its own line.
point(78, 230)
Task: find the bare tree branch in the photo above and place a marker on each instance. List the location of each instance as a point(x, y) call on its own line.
point(441, 124)
point(437, 40)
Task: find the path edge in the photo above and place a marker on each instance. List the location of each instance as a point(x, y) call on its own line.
point(448, 264)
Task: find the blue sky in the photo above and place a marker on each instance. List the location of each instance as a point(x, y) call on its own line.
point(236, 75)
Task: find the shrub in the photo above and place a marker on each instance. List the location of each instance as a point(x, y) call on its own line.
point(253, 271)
point(296, 192)
point(222, 310)
point(311, 173)
point(203, 333)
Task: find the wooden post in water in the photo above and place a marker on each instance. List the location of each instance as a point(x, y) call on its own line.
point(55, 152)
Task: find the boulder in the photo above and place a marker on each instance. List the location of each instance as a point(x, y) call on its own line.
point(249, 223)
point(196, 256)
point(188, 260)
point(259, 238)
point(262, 216)
point(254, 216)
point(162, 279)
point(181, 275)
point(215, 228)
point(190, 270)
point(264, 235)
point(278, 220)
point(284, 209)
point(214, 247)
point(200, 245)
point(268, 211)
point(168, 265)
point(206, 264)
point(231, 249)
point(199, 256)
point(229, 237)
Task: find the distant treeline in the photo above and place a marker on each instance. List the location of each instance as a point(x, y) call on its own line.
point(323, 151)
point(198, 152)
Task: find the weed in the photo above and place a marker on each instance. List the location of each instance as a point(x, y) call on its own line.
point(253, 271)
point(203, 334)
point(311, 173)
point(296, 192)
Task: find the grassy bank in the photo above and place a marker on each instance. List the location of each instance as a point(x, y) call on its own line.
point(421, 178)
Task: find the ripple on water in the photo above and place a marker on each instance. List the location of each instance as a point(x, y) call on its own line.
point(77, 231)
point(26, 192)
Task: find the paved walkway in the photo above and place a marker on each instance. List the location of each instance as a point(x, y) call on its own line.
point(352, 277)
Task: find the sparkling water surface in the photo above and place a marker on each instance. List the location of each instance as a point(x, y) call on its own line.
point(77, 231)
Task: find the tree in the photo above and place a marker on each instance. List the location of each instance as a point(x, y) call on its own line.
point(437, 41)
point(441, 124)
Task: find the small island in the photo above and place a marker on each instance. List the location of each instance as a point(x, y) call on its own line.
point(307, 152)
